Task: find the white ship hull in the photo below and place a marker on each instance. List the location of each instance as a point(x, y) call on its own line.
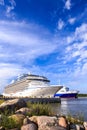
point(35, 92)
point(31, 86)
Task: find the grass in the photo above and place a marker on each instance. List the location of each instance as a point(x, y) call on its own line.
point(7, 122)
point(39, 109)
point(77, 119)
point(35, 109)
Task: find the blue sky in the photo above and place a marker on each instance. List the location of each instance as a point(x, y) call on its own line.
point(45, 37)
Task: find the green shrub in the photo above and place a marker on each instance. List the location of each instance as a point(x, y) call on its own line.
point(7, 112)
point(7, 122)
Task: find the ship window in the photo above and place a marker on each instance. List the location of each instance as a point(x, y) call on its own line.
point(67, 89)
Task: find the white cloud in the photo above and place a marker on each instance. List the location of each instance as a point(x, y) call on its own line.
point(84, 68)
point(78, 41)
point(10, 8)
point(68, 4)
point(8, 71)
point(2, 2)
point(72, 20)
point(69, 39)
point(24, 41)
point(13, 3)
point(20, 45)
point(80, 31)
point(60, 24)
point(76, 56)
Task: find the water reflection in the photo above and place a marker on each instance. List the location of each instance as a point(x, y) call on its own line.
point(72, 107)
point(64, 109)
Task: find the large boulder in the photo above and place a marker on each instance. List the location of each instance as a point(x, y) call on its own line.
point(44, 122)
point(85, 125)
point(50, 123)
point(57, 128)
point(23, 111)
point(63, 122)
point(12, 105)
point(31, 126)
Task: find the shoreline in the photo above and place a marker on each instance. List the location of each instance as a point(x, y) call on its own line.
point(37, 114)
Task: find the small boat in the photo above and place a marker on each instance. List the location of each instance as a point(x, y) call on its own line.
point(64, 92)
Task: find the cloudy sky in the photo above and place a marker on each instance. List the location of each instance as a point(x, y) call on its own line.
point(45, 37)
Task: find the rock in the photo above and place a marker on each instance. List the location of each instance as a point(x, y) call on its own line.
point(57, 128)
point(23, 111)
point(76, 127)
point(34, 118)
point(79, 127)
point(44, 122)
point(72, 126)
point(18, 118)
point(62, 122)
point(26, 121)
point(12, 105)
point(31, 126)
point(85, 125)
point(2, 128)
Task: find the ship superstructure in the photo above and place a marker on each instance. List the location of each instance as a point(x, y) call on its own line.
point(29, 85)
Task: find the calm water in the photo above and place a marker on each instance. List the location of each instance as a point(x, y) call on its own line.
point(72, 107)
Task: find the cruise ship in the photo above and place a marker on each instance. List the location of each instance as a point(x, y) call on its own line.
point(29, 85)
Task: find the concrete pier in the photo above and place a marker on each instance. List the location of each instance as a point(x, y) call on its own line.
point(43, 100)
point(38, 100)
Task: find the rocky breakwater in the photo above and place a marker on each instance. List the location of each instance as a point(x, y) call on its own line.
point(17, 118)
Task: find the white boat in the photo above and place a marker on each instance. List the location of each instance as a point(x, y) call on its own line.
point(64, 92)
point(29, 85)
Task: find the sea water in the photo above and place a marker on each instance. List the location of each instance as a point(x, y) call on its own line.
point(72, 107)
